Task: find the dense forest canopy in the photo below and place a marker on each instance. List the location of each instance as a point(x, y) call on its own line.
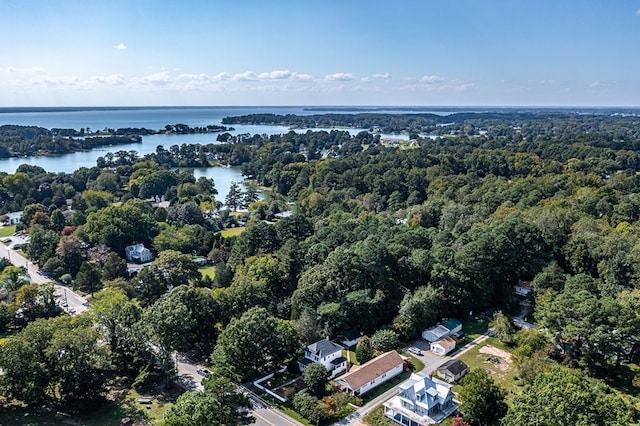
point(382, 236)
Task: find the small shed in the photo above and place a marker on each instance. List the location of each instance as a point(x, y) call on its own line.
point(453, 370)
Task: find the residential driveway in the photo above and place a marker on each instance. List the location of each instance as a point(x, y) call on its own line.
point(431, 361)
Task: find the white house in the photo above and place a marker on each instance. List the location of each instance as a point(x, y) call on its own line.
point(421, 401)
point(523, 288)
point(14, 217)
point(435, 333)
point(326, 353)
point(138, 253)
point(442, 346)
point(371, 374)
point(444, 329)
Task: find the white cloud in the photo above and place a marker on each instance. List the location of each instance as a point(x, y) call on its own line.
point(221, 76)
point(245, 76)
point(638, 12)
point(158, 79)
point(120, 46)
point(194, 77)
point(384, 75)
point(431, 79)
point(339, 76)
point(56, 81)
point(275, 75)
point(9, 69)
point(596, 84)
point(110, 80)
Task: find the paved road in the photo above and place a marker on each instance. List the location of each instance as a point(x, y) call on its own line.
point(75, 302)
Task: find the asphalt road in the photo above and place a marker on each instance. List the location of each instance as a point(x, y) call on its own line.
point(75, 302)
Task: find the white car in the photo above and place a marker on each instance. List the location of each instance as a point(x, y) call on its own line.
point(414, 350)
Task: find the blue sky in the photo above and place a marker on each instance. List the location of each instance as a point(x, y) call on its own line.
point(311, 52)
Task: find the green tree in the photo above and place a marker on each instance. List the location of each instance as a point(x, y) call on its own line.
point(170, 269)
point(114, 267)
point(233, 200)
point(385, 340)
point(118, 226)
point(502, 327)
point(13, 277)
point(565, 396)
point(58, 220)
point(88, 278)
point(309, 407)
point(364, 352)
point(255, 343)
point(482, 400)
point(56, 360)
point(117, 317)
point(315, 376)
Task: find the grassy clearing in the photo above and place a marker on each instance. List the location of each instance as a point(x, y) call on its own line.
point(7, 231)
point(501, 368)
point(232, 232)
point(209, 271)
point(474, 328)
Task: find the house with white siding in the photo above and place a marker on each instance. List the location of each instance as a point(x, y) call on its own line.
point(371, 374)
point(421, 401)
point(326, 353)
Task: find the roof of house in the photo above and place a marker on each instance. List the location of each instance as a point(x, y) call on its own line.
point(434, 333)
point(451, 323)
point(352, 334)
point(428, 391)
point(372, 369)
point(324, 348)
point(445, 342)
point(453, 366)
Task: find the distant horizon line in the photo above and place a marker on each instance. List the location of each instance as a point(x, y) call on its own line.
point(312, 106)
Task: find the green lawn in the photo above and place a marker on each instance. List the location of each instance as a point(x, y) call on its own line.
point(7, 231)
point(377, 418)
point(209, 271)
point(232, 232)
point(474, 328)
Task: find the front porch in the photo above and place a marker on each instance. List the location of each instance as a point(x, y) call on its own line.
point(394, 410)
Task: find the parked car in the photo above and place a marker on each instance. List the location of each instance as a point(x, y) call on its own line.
point(203, 372)
point(414, 350)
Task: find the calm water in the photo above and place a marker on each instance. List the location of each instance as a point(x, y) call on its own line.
point(150, 118)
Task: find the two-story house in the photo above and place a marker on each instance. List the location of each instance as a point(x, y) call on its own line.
point(421, 401)
point(326, 353)
point(138, 253)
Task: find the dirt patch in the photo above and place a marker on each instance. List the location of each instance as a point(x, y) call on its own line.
point(503, 361)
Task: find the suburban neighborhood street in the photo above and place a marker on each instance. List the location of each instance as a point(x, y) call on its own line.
point(74, 302)
point(431, 363)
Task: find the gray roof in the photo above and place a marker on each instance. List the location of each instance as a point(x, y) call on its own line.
point(454, 366)
point(324, 348)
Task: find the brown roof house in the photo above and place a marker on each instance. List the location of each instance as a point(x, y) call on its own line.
point(371, 374)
